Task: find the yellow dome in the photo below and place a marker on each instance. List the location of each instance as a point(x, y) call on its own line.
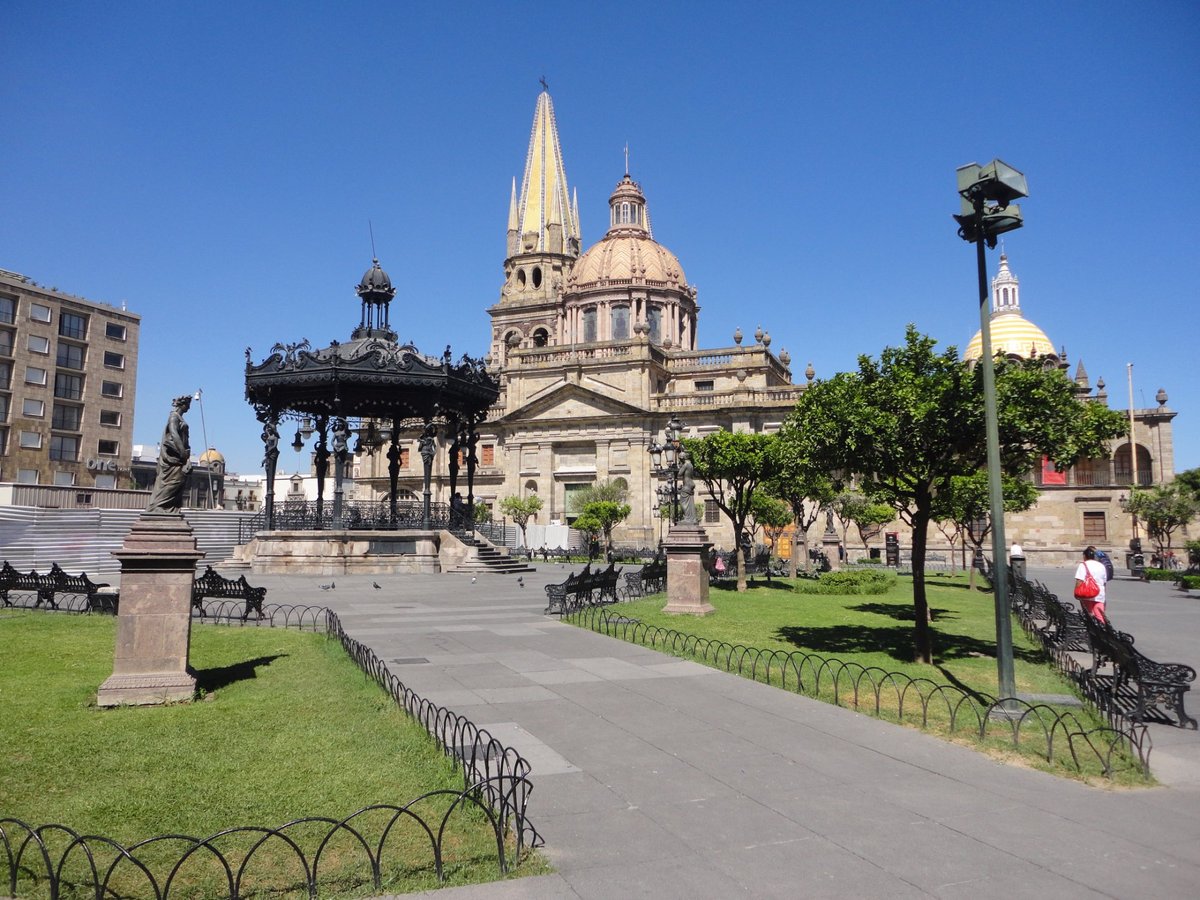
point(1012, 335)
point(211, 455)
point(627, 256)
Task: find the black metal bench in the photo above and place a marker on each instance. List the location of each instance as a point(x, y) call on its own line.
point(1153, 683)
point(588, 588)
point(48, 586)
point(213, 585)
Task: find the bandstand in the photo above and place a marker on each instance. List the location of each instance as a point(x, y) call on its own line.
point(349, 398)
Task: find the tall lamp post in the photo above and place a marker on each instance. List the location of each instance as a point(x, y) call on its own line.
point(212, 490)
point(664, 460)
point(988, 211)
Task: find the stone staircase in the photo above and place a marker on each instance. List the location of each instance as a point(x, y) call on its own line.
point(484, 558)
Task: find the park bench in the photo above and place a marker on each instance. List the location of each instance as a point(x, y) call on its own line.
point(1153, 683)
point(50, 585)
point(1065, 627)
point(588, 588)
point(213, 585)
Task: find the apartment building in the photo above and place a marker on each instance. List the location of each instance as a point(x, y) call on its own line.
point(68, 371)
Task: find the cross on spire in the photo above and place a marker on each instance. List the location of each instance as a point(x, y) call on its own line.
point(545, 87)
point(627, 157)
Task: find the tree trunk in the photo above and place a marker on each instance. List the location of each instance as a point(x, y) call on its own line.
point(741, 560)
point(922, 635)
point(795, 550)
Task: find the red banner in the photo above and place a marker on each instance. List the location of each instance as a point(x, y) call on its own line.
point(1050, 475)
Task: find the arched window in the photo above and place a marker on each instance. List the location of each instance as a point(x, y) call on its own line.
point(620, 323)
point(626, 218)
point(1123, 473)
point(589, 325)
point(530, 487)
point(654, 320)
point(541, 337)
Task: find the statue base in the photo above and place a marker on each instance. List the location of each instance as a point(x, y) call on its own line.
point(830, 544)
point(154, 622)
point(688, 548)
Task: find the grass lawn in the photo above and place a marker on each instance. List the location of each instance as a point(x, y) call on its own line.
point(288, 727)
point(875, 631)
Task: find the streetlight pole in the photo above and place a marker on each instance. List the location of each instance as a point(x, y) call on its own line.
point(988, 211)
point(212, 493)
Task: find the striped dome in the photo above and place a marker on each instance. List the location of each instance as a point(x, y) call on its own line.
point(1012, 335)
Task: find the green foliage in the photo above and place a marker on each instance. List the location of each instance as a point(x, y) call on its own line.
point(770, 514)
point(968, 501)
point(483, 513)
point(521, 510)
point(1160, 574)
point(731, 465)
point(1189, 582)
point(848, 582)
point(612, 491)
point(1190, 481)
point(906, 424)
point(1163, 509)
point(866, 514)
point(600, 517)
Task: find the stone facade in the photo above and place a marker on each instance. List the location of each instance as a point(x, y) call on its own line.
point(68, 369)
point(597, 351)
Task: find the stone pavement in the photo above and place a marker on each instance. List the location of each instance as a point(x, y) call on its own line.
point(661, 778)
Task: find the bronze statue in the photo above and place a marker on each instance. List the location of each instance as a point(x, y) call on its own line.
point(270, 439)
point(687, 489)
point(174, 461)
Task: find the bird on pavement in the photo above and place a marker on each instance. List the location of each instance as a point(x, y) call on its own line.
point(326, 587)
point(375, 584)
point(472, 579)
point(521, 580)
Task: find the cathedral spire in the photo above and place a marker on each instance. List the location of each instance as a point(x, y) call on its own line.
point(513, 221)
point(544, 195)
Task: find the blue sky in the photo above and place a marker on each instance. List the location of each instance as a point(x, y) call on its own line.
point(215, 166)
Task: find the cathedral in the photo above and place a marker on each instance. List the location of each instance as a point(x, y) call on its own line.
point(597, 349)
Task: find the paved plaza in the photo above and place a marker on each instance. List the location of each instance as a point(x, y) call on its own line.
point(655, 777)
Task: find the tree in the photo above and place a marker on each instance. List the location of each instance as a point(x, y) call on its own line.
point(613, 491)
point(803, 486)
point(521, 510)
point(770, 514)
point(483, 513)
point(1163, 509)
point(1190, 481)
point(907, 423)
point(732, 465)
point(968, 505)
point(600, 517)
point(864, 513)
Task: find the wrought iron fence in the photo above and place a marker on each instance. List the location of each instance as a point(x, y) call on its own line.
point(55, 860)
point(1115, 747)
point(357, 515)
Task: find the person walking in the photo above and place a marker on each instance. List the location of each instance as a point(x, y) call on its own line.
point(1089, 585)
point(1016, 560)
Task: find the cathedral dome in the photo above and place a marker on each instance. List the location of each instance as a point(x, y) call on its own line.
point(1012, 333)
point(628, 252)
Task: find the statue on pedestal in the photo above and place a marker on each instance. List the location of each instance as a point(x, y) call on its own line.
point(174, 461)
point(687, 490)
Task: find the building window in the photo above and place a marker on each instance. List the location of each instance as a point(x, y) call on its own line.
point(114, 360)
point(107, 448)
point(39, 313)
point(3, 440)
point(620, 323)
point(110, 417)
point(712, 512)
point(487, 455)
point(68, 387)
point(654, 320)
point(404, 457)
point(64, 479)
point(114, 330)
point(34, 409)
point(72, 325)
point(34, 375)
point(1095, 528)
point(4, 408)
point(64, 447)
point(27, 476)
point(8, 310)
point(106, 481)
point(111, 389)
point(704, 385)
point(38, 344)
point(5, 375)
point(589, 325)
point(541, 337)
point(66, 418)
point(31, 440)
point(6, 342)
point(70, 356)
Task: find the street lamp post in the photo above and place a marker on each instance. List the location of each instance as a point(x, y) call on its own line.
point(988, 211)
point(664, 462)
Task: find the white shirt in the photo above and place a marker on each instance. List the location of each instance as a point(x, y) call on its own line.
point(1097, 570)
point(1016, 551)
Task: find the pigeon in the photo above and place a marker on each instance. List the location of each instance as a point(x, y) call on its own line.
point(376, 585)
point(521, 580)
point(326, 587)
point(472, 579)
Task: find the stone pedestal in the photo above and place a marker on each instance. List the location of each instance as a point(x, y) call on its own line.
point(688, 548)
point(829, 545)
point(158, 564)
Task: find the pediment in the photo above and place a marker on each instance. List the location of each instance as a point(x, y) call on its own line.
point(571, 401)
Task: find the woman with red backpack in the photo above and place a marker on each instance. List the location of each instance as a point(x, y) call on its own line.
point(1089, 585)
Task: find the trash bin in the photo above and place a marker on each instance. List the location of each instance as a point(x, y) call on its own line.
point(1136, 564)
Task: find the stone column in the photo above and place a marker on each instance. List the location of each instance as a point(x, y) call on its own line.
point(158, 564)
point(688, 549)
